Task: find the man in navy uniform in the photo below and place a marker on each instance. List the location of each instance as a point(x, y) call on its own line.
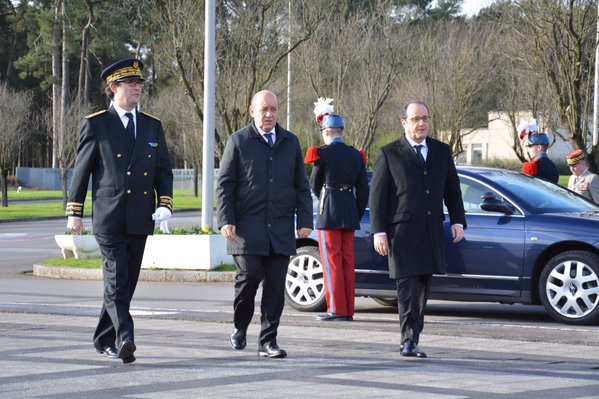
point(536, 146)
point(124, 151)
point(339, 180)
point(541, 165)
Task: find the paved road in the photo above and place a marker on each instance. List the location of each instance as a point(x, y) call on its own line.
point(475, 350)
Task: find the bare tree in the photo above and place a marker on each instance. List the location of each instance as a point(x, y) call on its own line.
point(355, 58)
point(563, 33)
point(251, 49)
point(67, 152)
point(450, 71)
point(183, 129)
point(14, 120)
point(84, 75)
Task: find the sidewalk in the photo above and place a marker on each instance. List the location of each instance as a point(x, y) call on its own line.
point(180, 276)
point(50, 356)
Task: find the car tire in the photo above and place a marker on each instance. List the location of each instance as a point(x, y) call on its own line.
point(391, 302)
point(569, 287)
point(304, 284)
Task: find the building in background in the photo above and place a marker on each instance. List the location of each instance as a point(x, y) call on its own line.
point(495, 142)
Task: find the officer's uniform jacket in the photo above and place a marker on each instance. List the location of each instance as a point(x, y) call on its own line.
point(546, 169)
point(588, 180)
point(339, 180)
point(127, 183)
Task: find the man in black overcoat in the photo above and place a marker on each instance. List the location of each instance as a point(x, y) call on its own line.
point(262, 188)
point(124, 151)
point(412, 178)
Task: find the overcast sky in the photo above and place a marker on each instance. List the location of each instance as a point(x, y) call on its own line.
point(470, 7)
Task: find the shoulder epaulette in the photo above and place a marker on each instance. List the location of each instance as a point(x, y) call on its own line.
point(95, 114)
point(531, 168)
point(151, 116)
point(364, 157)
point(311, 155)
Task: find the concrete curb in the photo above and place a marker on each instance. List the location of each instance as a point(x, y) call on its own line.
point(183, 276)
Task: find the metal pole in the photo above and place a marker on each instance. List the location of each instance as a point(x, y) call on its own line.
point(289, 71)
point(596, 91)
point(208, 137)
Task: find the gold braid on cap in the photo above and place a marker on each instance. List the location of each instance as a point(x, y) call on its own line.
point(126, 72)
point(575, 157)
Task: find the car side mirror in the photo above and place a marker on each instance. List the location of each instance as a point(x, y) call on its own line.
point(493, 204)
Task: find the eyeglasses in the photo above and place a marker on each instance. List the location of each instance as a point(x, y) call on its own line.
point(417, 119)
point(133, 83)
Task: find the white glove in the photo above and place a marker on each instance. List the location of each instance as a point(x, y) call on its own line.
point(162, 215)
point(164, 227)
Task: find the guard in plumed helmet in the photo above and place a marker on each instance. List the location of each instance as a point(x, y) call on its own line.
point(536, 146)
point(339, 181)
point(124, 153)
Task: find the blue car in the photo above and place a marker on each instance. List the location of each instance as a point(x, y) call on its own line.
point(528, 241)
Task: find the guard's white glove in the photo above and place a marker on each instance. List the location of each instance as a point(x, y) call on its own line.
point(162, 215)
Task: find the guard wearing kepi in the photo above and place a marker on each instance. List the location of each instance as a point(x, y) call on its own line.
point(339, 180)
point(124, 151)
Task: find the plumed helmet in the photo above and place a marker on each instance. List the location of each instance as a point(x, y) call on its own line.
point(333, 121)
point(526, 128)
point(538, 139)
point(323, 107)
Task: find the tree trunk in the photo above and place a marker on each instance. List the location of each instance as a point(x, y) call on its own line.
point(196, 174)
point(4, 188)
point(82, 90)
point(63, 177)
point(55, 86)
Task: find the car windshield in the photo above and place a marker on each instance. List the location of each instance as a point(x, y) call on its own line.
point(540, 195)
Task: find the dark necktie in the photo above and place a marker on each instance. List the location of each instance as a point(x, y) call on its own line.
point(419, 152)
point(130, 129)
point(269, 139)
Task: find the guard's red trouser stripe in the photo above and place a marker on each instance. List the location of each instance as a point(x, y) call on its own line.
point(337, 254)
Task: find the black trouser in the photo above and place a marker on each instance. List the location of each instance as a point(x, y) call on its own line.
point(412, 294)
point(251, 270)
point(121, 264)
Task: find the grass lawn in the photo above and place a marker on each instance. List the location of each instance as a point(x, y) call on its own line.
point(184, 201)
point(96, 263)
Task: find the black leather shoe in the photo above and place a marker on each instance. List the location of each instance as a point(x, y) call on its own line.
point(126, 352)
point(409, 349)
point(272, 350)
point(238, 340)
point(331, 317)
point(108, 350)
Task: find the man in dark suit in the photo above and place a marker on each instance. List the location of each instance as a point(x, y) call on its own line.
point(339, 180)
point(412, 178)
point(124, 151)
point(262, 185)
